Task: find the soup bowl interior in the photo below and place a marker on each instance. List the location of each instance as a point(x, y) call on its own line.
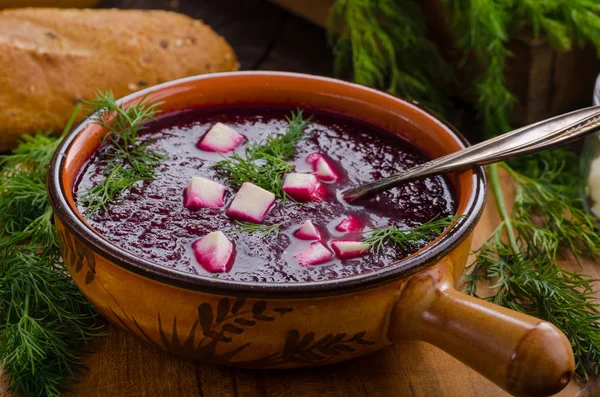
point(408, 120)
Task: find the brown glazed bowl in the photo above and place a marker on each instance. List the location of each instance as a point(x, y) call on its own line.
point(269, 325)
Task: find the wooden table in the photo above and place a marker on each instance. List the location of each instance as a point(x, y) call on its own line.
point(266, 37)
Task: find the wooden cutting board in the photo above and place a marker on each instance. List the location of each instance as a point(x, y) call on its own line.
point(123, 366)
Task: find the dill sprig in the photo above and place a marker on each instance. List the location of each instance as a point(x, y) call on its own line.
point(382, 43)
point(132, 160)
point(385, 45)
point(265, 163)
point(44, 319)
point(483, 29)
point(407, 238)
point(547, 216)
point(266, 172)
point(520, 258)
point(259, 229)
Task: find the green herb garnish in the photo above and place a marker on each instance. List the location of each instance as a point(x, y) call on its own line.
point(376, 50)
point(44, 319)
point(407, 238)
point(259, 229)
point(132, 160)
point(384, 45)
point(265, 163)
point(523, 269)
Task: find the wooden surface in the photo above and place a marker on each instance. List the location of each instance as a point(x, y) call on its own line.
point(265, 37)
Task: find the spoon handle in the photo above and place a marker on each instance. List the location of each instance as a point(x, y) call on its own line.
point(543, 135)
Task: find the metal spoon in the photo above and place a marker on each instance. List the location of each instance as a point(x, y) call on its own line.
point(543, 135)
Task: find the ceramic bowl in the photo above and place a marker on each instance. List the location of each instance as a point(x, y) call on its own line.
point(269, 325)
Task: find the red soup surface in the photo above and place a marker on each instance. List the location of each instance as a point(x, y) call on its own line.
point(151, 221)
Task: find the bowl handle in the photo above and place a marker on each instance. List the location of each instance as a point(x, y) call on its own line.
point(522, 354)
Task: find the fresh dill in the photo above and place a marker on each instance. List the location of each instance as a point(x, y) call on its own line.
point(265, 163)
point(44, 319)
point(482, 36)
point(520, 258)
point(132, 159)
point(382, 43)
point(484, 29)
point(259, 229)
point(385, 44)
point(264, 172)
point(547, 216)
point(407, 238)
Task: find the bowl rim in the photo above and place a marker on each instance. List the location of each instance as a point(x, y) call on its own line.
point(397, 270)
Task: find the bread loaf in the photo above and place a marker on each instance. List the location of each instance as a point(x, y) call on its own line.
point(51, 59)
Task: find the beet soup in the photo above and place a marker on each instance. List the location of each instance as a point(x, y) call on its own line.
point(194, 218)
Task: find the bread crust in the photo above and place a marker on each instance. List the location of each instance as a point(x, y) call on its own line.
point(51, 59)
